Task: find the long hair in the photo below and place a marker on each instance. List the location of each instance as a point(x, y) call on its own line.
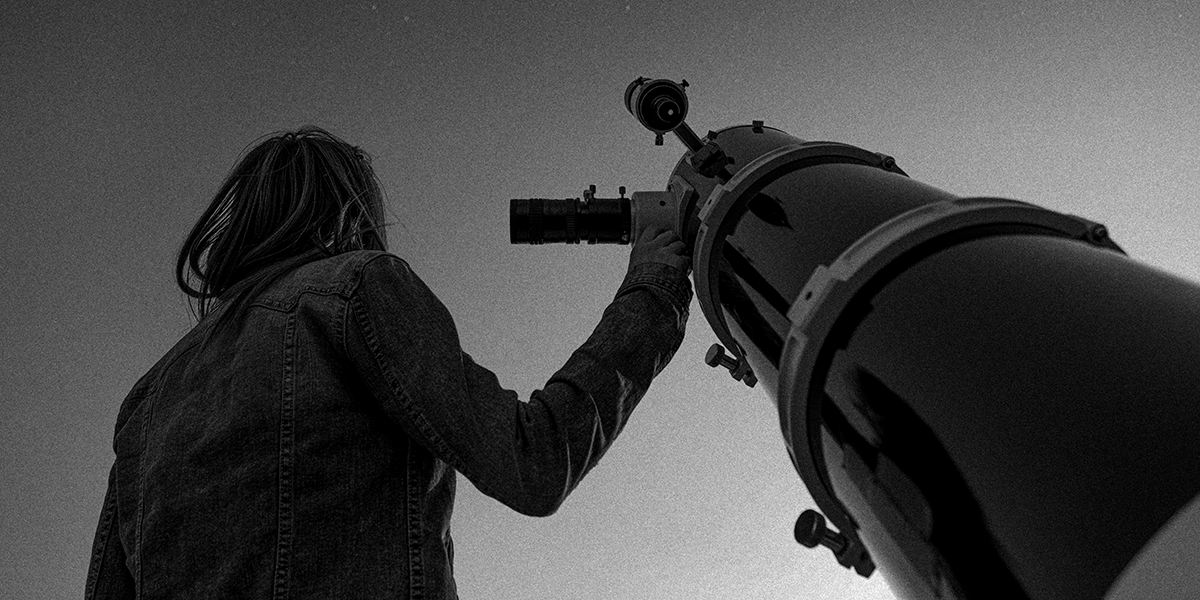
point(294, 198)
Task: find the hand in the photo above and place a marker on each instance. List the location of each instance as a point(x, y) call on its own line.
point(660, 246)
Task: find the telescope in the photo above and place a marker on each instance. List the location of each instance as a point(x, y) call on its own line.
point(985, 398)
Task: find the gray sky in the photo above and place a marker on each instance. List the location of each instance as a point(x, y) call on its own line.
point(121, 120)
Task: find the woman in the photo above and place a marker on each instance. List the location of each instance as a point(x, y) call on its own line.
point(301, 440)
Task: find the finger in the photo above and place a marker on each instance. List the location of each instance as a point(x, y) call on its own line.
point(665, 236)
point(651, 233)
point(676, 247)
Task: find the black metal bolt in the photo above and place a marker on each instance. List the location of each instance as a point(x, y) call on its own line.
point(716, 357)
point(811, 531)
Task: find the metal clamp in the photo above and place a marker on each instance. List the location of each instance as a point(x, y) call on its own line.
point(831, 288)
point(723, 198)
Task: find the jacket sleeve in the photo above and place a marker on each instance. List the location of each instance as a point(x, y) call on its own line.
point(108, 578)
point(528, 455)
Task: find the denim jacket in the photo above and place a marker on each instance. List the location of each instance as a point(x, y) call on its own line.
point(310, 451)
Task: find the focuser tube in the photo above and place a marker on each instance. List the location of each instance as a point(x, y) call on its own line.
point(569, 220)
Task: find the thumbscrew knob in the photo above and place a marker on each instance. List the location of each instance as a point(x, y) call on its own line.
point(716, 357)
point(811, 531)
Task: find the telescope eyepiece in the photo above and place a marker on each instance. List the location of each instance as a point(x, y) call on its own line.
point(660, 105)
point(665, 109)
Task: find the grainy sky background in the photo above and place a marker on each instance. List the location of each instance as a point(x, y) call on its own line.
point(122, 118)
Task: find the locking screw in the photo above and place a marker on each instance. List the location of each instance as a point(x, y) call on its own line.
point(811, 531)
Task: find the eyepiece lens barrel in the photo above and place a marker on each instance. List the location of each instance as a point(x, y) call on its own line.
point(665, 108)
point(660, 105)
point(569, 221)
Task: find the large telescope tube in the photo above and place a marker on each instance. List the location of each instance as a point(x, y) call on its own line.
point(988, 396)
point(985, 398)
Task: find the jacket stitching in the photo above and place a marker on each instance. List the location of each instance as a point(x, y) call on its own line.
point(413, 493)
point(399, 396)
point(290, 303)
point(143, 434)
point(287, 415)
point(344, 288)
point(440, 448)
point(352, 288)
point(339, 330)
point(102, 541)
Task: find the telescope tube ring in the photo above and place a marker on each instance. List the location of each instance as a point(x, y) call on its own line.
point(724, 197)
point(830, 289)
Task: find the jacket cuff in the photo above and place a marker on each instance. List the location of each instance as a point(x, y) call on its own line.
point(662, 279)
